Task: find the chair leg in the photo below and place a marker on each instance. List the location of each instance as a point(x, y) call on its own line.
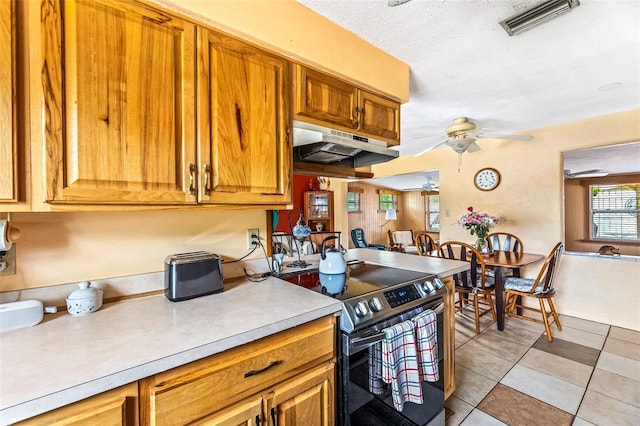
point(543, 311)
point(492, 306)
point(510, 303)
point(555, 314)
point(477, 312)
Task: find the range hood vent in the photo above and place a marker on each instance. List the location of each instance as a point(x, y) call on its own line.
point(320, 145)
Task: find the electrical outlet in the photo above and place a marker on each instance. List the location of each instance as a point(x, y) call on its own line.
point(251, 241)
point(447, 213)
point(8, 261)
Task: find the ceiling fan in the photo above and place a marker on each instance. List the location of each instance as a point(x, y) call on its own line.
point(585, 173)
point(462, 136)
point(427, 186)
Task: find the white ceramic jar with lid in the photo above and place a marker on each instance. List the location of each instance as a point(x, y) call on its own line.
point(84, 300)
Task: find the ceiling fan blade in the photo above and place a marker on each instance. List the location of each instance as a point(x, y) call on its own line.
point(424, 151)
point(392, 3)
point(502, 136)
point(585, 173)
point(473, 147)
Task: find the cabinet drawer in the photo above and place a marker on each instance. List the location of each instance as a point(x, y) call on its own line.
point(193, 391)
point(115, 407)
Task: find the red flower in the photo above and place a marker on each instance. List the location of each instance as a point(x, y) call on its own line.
point(470, 209)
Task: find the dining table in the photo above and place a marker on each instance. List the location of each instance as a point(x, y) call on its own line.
point(499, 261)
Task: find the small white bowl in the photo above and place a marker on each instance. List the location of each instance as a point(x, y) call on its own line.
point(84, 300)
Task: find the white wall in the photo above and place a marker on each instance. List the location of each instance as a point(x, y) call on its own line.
point(530, 196)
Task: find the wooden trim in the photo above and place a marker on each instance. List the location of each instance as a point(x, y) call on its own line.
point(389, 191)
point(330, 171)
point(610, 179)
point(353, 189)
point(424, 193)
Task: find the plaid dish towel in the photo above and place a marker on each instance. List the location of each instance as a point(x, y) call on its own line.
point(426, 324)
point(400, 364)
point(376, 385)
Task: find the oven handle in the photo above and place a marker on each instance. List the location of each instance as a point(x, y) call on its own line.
point(380, 336)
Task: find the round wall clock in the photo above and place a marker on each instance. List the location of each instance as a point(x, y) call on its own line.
point(487, 179)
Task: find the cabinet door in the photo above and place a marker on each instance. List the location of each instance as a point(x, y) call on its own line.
point(305, 400)
point(379, 117)
point(244, 123)
point(8, 107)
point(324, 99)
point(245, 413)
point(118, 81)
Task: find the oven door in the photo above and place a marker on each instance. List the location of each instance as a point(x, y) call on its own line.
point(357, 405)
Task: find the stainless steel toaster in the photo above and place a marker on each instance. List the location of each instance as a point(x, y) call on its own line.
point(189, 275)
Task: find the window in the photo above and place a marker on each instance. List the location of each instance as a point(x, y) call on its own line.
point(615, 212)
point(387, 201)
point(432, 210)
point(353, 202)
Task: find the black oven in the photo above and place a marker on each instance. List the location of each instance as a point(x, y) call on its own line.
point(375, 297)
point(360, 407)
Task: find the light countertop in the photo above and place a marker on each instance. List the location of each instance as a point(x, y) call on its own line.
point(68, 358)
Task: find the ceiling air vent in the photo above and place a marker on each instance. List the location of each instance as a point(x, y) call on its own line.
point(537, 15)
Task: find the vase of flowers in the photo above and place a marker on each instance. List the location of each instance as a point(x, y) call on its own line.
point(479, 224)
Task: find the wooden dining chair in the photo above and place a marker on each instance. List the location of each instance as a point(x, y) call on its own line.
point(425, 244)
point(472, 284)
point(540, 288)
point(504, 241)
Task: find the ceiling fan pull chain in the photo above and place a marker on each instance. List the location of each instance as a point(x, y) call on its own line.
point(459, 161)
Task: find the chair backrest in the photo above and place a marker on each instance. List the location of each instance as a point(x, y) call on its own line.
point(425, 244)
point(457, 250)
point(548, 270)
point(357, 236)
point(401, 237)
point(504, 241)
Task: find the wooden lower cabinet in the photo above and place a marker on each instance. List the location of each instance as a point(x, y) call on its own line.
point(291, 374)
point(115, 407)
point(306, 400)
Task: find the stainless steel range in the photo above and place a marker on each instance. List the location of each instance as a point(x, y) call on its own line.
point(375, 297)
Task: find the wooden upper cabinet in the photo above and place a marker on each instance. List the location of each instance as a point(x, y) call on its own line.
point(8, 106)
point(379, 117)
point(119, 95)
point(325, 98)
point(328, 101)
point(244, 147)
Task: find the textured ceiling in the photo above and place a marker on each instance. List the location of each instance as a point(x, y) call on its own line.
point(581, 64)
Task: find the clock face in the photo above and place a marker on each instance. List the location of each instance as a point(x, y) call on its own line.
point(487, 179)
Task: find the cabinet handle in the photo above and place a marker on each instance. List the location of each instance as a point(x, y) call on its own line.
point(207, 172)
point(192, 176)
point(254, 372)
point(356, 111)
point(274, 420)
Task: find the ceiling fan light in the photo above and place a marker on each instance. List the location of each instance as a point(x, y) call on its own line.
point(461, 145)
point(537, 15)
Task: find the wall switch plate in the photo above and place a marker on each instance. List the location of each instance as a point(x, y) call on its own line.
point(8, 261)
point(250, 239)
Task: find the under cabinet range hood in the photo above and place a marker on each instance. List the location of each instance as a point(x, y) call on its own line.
point(320, 145)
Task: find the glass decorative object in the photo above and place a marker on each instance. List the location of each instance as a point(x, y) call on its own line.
point(300, 231)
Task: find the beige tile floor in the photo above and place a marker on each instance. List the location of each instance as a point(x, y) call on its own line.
point(588, 375)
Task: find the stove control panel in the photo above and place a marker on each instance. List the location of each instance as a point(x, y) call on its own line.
point(402, 295)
